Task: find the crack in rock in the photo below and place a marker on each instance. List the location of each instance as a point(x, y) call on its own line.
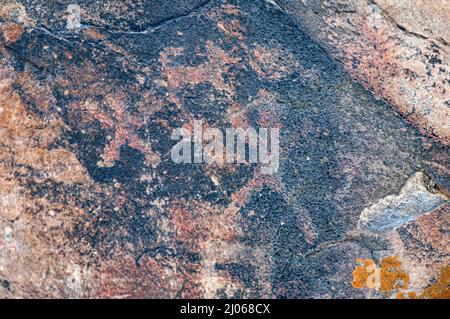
point(405, 28)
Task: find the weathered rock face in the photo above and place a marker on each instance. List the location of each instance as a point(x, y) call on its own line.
point(91, 204)
point(398, 49)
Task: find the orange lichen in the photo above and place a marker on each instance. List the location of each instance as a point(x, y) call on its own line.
point(408, 295)
point(362, 273)
point(438, 290)
point(392, 276)
point(441, 289)
point(387, 278)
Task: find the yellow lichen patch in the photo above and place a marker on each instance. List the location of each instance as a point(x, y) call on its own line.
point(441, 289)
point(406, 295)
point(389, 277)
point(438, 290)
point(392, 276)
point(362, 273)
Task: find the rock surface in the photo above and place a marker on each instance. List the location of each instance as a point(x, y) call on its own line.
point(398, 49)
point(91, 204)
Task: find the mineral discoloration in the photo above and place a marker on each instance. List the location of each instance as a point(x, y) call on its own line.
point(91, 204)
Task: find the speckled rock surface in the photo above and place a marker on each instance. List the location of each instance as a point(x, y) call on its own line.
point(398, 49)
point(91, 204)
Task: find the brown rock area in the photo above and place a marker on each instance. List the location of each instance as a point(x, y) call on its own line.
point(93, 206)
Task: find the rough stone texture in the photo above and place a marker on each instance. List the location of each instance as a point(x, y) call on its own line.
point(91, 204)
point(428, 19)
point(398, 49)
